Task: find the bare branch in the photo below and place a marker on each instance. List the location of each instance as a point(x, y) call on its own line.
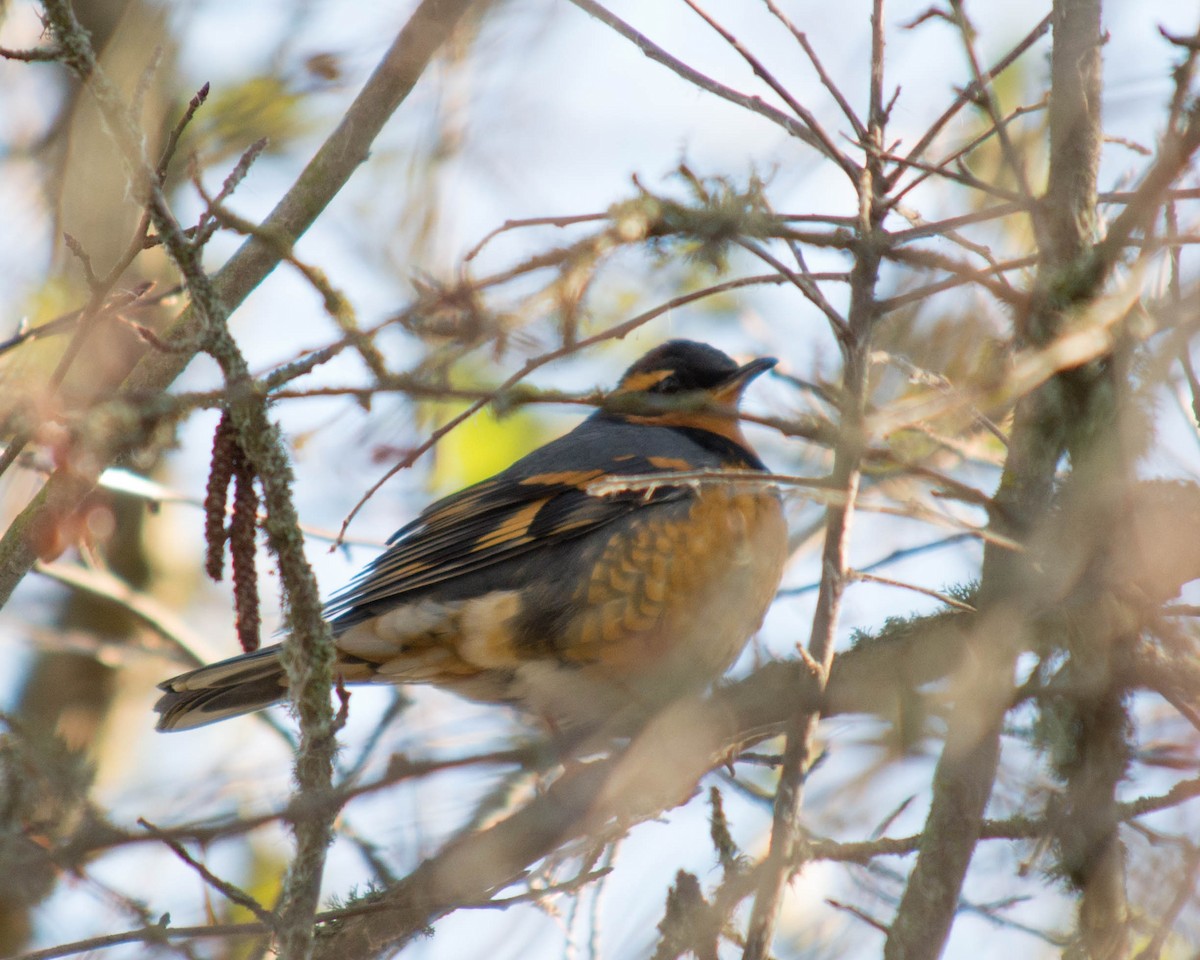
point(969, 94)
point(982, 83)
point(966, 769)
point(787, 841)
point(924, 591)
point(226, 889)
point(34, 55)
point(652, 50)
point(827, 146)
point(189, 646)
point(860, 132)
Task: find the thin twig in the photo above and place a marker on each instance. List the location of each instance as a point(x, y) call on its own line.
point(860, 132)
point(32, 55)
point(189, 646)
point(894, 557)
point(652, 50)
point(521, 224)
point(232, 893)
point(157, 935)
point(823, 139)
point(892, 304)
point(925, 591)
point(969, 94)
point(803, 281)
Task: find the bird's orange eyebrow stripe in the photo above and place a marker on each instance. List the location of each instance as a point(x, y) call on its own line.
point(635, 383)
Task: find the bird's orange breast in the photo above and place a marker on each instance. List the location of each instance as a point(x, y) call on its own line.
point(671, 602)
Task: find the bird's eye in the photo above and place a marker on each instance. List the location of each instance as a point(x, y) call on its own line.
point(668, 384)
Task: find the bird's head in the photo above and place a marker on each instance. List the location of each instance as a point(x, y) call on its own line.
point(684, 383)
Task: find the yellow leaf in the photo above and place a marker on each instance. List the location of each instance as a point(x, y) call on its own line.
point(485, 445)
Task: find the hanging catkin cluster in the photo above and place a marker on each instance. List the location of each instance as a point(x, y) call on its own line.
point(230, 465)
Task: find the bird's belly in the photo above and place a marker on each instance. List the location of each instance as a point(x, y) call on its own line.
point(666, 610)
point(464, 645)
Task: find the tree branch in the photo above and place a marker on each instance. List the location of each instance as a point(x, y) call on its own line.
point(787, 839)
point(965, 772)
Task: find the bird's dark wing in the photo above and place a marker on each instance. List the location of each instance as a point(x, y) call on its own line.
point(512, 514)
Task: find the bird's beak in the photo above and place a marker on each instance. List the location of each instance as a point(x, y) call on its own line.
point(731, 389)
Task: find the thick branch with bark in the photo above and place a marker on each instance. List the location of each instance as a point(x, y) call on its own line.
point(1009, 590)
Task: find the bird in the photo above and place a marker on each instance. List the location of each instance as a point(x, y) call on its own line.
point(588, 611)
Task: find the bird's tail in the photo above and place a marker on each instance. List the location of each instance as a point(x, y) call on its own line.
point(226, 689)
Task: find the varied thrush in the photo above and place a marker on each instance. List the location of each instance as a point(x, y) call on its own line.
point(587, 610)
